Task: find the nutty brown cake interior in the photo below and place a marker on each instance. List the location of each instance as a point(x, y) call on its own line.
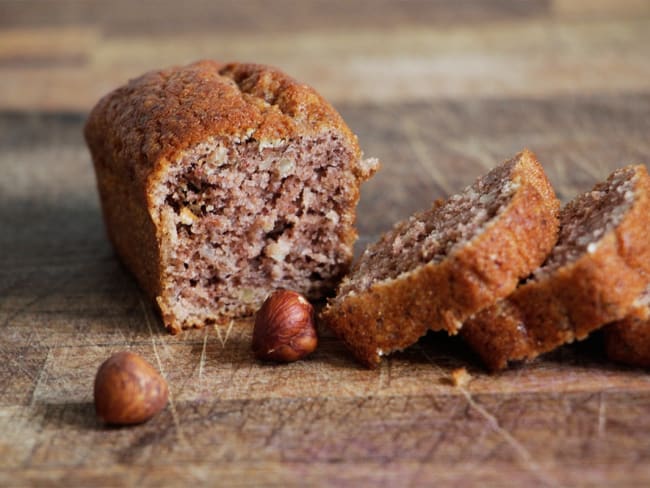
point(436, 268)
point(589, 217)
point(220, 183)
point(593, 276)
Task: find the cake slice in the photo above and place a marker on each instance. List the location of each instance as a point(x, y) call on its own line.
point(435, 269)
point(220, 183)
point(593, 276)
point(628, 340)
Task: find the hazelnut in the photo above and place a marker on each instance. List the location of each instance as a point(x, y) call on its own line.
point(128, 390)
point(284, 328)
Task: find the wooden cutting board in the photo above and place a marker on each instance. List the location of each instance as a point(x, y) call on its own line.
point(571, 418)
point(67, 304)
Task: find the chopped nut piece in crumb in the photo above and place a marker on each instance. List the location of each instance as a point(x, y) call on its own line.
point(187, 217)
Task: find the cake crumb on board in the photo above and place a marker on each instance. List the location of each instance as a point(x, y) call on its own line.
point(459, 377)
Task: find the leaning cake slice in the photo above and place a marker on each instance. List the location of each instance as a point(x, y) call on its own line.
point(437, 268)
point(220, 183)
point(593, 276)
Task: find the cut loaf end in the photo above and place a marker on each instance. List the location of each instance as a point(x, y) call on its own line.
point(240, 219)
point(222, 182)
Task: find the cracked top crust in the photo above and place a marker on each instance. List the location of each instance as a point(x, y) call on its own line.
point(161, 113)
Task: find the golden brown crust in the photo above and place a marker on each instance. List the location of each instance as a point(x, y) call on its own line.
point(628, 340)
point(572, 301)
point(394, 314)
point(137, 131)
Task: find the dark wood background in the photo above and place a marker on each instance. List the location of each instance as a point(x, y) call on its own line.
point(440, 91)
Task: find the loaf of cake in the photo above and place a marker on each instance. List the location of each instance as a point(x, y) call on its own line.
point(438, 267)
point(222, 182)
point(594, 274)
point(628, 340)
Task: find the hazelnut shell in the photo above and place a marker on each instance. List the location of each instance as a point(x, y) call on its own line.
point(128, 390)
point(284, 328)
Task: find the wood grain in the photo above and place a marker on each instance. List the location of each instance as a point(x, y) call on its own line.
point(167, 17)
point(440, 92)
point(66, 58)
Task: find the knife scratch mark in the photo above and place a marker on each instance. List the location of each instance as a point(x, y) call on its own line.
point(524, 455)
point(471, 150)
point(53, 288)
point(602, 415)
point(228, 332)
point(223, 339)
point(423, 156)
point(9, 358)
point(588, 167)
point(172, 406)
point(384, 375)
point(202, 359)
point(41, 374)
point(219, 336)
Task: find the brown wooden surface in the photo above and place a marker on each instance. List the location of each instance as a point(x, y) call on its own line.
point(439, 91)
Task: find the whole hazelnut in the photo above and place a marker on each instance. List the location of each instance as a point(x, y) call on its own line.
point(284, 328)
point(128, 390)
